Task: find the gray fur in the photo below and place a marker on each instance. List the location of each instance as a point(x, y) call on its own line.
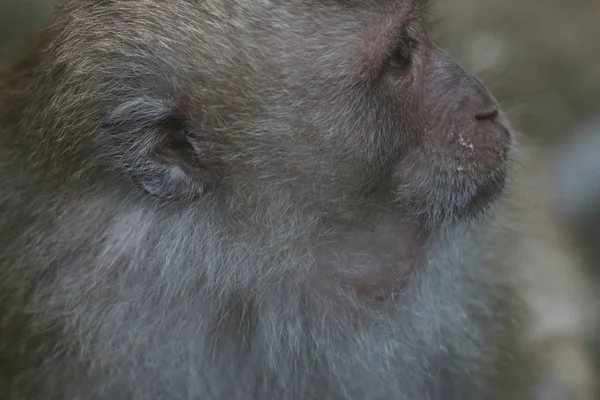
point(212, 286)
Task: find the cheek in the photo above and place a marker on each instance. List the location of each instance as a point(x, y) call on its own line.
point(360, 125)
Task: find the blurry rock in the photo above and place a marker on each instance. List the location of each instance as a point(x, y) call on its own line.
point(577, 173)
point(18, 17)
point(555, 286)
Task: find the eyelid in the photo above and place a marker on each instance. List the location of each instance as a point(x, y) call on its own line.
point(401, 52)
point(401, 37)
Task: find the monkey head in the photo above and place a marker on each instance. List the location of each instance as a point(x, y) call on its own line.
point(338, 111)
point(233, 199)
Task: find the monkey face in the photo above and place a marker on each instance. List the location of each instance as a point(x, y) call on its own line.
point(427, 126)
point(371, 107)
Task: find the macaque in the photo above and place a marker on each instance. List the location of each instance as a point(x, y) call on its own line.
point(253, 200)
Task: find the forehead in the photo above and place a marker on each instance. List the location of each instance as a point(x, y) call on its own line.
point(339, 41)
point(390, 5)
point(380, 16)
point(367, 6)
point(345, 37)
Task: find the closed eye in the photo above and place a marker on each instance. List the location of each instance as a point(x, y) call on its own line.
point(400, 53)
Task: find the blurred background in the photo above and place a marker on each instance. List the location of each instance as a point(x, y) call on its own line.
point(541, 58)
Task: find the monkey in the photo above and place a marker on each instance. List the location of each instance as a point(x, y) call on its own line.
point(223, 199)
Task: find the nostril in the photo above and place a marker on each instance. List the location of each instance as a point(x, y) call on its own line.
point(489, 112)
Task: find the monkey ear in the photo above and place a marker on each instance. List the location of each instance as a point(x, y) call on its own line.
point(157, 145)
point(172, 169)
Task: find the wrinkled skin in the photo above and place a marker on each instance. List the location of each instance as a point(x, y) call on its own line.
point(249, 200)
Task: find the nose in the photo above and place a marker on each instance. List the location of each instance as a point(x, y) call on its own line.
point(485, 106)
point(489, 111)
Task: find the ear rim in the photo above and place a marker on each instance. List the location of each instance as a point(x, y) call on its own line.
point(157, 143)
